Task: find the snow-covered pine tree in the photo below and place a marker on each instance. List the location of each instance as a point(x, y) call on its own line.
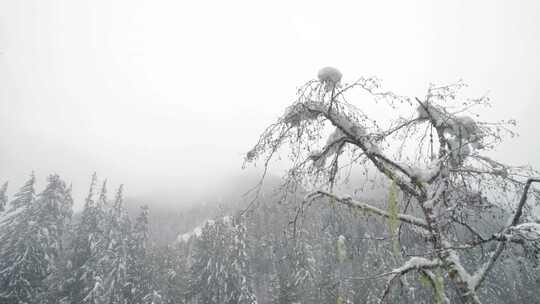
point(220, 267)
point(56, 205)
point(207, 271)
point(327, 269)
point(117, 251)
point(240, 288)
point(32, 240)
point(26, 194)
point(259, 227)
point(88, 255)
point(55, 209)
point(21, 270)
point(139, 272)
point(140, 233)
point(3, 197)
point(170, 273)
point(102, 198)
point(88, 226)
point(293, 262)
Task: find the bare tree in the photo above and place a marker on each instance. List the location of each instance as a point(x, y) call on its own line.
point(432, 151)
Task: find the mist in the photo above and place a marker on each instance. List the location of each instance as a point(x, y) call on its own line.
point(167, 96)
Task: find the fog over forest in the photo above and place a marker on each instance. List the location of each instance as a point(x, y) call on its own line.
point(178, 91)
point(280, 152)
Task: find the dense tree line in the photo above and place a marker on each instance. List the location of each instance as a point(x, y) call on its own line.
point(267, 255)
point(47, 258)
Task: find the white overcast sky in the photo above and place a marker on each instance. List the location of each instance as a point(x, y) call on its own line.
point(165, 94)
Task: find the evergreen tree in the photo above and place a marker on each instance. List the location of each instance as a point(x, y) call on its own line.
point(139, 274)
point(207, 271)
point(241, 291)
point(327, 282)
point(54, 210)
point(170, 272)
point(117, 251)
point(102, 199)
point(140, 235)
point(88, 256)
point(293, 270)
point(21, 269)
point(3, 197)
point(56, 204)
point(32, 240)
point(219, 273)
point(26, 194)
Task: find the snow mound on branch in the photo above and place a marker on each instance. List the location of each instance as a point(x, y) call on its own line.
point(416, 263)
point(459, 126)
point(331, 142)
point(423, 174)
point(330, 148)
point(330, 77)
point(297, 113)
point(463, 134)
point(466, 128)
point(466, 137)
point(427, 111)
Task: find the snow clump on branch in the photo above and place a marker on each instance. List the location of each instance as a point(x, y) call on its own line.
point(423, 174)
point(297, 113)
point(462, 133)
point(329, 77)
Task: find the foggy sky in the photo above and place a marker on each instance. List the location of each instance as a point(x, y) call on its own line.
point(168, 95)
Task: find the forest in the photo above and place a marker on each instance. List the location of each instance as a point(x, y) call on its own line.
point(404, 207)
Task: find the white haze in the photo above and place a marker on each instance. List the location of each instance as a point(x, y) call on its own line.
point(166, 96)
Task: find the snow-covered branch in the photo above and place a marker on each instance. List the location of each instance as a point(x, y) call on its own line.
point(347, 201)
point(356, 135)
point(415, 263)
